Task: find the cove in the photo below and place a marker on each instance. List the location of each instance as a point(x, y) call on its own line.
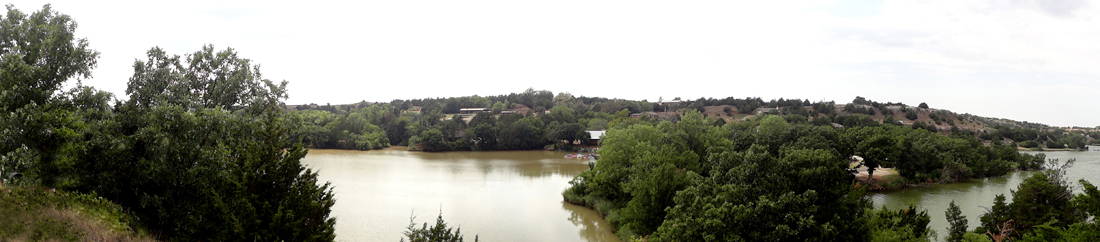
point(974, 196)
point(499, 195)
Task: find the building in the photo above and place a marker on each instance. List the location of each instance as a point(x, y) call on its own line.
point(594, 136)
point(1092, 147)
point(472, 110)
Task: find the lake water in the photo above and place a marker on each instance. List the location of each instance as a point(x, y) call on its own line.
point(516, 195)
point(499, 196)
point(974, 196)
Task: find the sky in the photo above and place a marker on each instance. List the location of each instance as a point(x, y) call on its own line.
point(1026, 60)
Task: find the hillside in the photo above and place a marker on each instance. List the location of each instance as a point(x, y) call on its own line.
point(38, 214)
point(377, 125)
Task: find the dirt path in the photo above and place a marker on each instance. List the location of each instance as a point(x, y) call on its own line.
point(861, 173)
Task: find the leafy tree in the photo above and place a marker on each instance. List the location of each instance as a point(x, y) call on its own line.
point(1054, 144)
point(431, 140)
point(911, 115)
point(208, 80)
point(525, 134)
point(924, 126)
point(1038, 200)
point(922, 105)
point(907, 224)
point(1089, 199)
point(597, 124)
point(397, 131)
point(483, 137)
point(889, 120)
point(995, 216)
point(957, 230)
point(1075, 232)
point(562, 114)
point(1029, 144)
point(40, 53)
point(568, 132)
point(209, 174)
point(41, 129)
point(727, 204)
point(875, 146)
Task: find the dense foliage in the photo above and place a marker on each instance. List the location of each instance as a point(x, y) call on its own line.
point(402, 122)
point(198, 153)
point(1043, 208)
point(693, 180)
point(34, 214)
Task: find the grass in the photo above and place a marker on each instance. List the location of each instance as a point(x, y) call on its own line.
point(38, 214)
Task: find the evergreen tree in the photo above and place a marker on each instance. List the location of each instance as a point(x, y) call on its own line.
point(958, 223)
point(437, 233)
point(994, 216)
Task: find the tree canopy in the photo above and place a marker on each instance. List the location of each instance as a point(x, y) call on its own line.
point(197, 154)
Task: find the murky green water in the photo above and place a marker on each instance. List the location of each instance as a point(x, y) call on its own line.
point(500, 196)
point(974, 196)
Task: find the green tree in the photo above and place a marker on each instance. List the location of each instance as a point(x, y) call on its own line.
point(431, 140)
point(597, 124)
point(958, 223)
point(1039, 200)
point(483, 136)
point(41, 129)
point(525, 134)
point(922, 105)
point(562, 114)
point(719, 122)
point(909, 224)
point(728, 204)
point(1089, 199)
point(209, 79)
point(875, 145)
point(437, 233)
point(40, 53)
point(995, 216)
point(208, 173)
point(568, 132)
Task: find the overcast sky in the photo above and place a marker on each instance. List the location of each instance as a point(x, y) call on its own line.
point(1027, 60)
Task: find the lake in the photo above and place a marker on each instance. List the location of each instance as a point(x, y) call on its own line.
point(974, 196)
point(516, 195)
point(499, 196)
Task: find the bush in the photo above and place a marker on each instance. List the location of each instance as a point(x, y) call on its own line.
point(1029, 144)
point(911, 115)
point(437, 233)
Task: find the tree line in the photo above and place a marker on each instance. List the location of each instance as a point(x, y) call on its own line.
point(698, 180)
point(198, 152)
point(437, 123)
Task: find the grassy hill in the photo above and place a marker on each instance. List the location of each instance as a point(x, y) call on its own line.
point(39, 214)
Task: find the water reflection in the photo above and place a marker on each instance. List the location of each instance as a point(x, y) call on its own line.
point(500, 196)
point(590, 229)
